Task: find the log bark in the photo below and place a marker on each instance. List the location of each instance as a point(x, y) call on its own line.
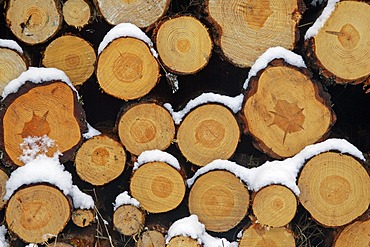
point(207, 133)
point(355, 234)
point(129, 220)
point(83, 217)
point(184, 44)
point(248, 28)
point(183, 241)
point(100, 160)
point(285, 110)
point(75, 56)
point(38, 212)
point(76, 13)
point(340, 50)
point(219, 200)
point(335, 188)
point(145, 126)
point(151, 238)
point(3, 179)
point(34, 111)
point(33, 22)
point(274, 206)
point(158, 187)
point(126, 69)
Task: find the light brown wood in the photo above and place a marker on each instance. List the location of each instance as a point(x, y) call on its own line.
point(355, 234)
point(76, 13)
point(248, 28)
point(157, 186)
point(184, 44)
point(128, 220)
point(3, 179)
point(100, 160)
point(274, 205)
point(146, 126)
point(75, 56)
point(12, 64)
point(37, 213)
point(33, 22)
point(284, 110)
point(151, 238)
point(207, 133)
point(335, 188)
point(126, 69)
point(59, 244)
point(258, 236)
point(341, 49)
point(219, 200)
point(34, 111)
point(83, 217)
point(183, 241)
point(142, 13)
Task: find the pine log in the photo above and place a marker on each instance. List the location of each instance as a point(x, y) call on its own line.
point(33, 22)
point(256, 236)
point(219, 200)
point(12, 65)
point(248, 28)
point(37, 212)
point(126, 69)
point(151, 238)
point(274, 206)
point(183, 241)
point(83, 217)
point(59, 244)
point(158, 187)
point(100, 160)
point(73, 55)
point(335, 188)
point(145, 126)
point(3, 179)
point(285, 110)
point(141, 13)
point(76, 13)
point(207, 133)
point(355, 234)
point(51, 109)
point(184, 44)
point(129, 220)
point(340, 50)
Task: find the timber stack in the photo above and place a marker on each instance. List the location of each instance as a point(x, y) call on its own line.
point(184, 123)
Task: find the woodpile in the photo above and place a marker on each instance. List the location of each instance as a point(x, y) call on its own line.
point(184, 123)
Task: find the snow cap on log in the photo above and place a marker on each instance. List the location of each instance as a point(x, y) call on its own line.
point(91, 132)
point(11, 44)
point(125, 199)
point(156, 155)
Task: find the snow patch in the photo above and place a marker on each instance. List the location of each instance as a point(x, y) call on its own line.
point(36, 145)
point(126, 30)
point(233, 103)
point(156, 155)
point(125, 199)
point(37, 76)
point(271, 54)
point(3, 241)
point(91, 132)
point(10, 44)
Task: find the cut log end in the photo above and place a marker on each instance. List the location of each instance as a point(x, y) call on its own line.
point(151, 238)
point(83, 217)
point(355, 234)
point(128, 220)
point(219, 199)
point(3, 179)
point(158, 187)
point(76, 13)
point(183, 241)
point(335, 188)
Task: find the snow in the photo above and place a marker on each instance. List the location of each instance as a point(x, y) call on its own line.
point(126, 30)
point(10, 44)
point(47, 169)
point(317, 2)
point(36, 145)
point(191, 227)
point(91, 132)
point(233, 103)
point(31, 245)
point(125, 199)
point(271, 54)
point(283, 172)
point(156, 155)
point(319, 23)
point(3, 241)
point(37, 75)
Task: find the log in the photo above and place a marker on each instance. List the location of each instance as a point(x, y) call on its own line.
point(126, 69)
point(129, 220)
point(33, 22)
point(355, 234)
point(151, 238)
point(219, 199)
point(255, 235)
point(100, 160)
point(76, 13)
point(183, 241)
point(37, 212)
point(141, 13)
point(83, 217)
point(274, 206)
point(285, 110)
point(59, 244)
point(184, 44)
point(145, 126)
point(247, 29)
point(340, 49)
point(75, 56)
point(335, 188)
point(3, 179)
point(158, 187)
point(207, 133)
